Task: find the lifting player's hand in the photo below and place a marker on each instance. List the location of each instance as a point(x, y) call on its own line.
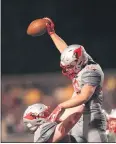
point(55, 114)
point(50, 26)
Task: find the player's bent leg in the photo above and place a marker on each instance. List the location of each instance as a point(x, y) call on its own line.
point(63, 128)
point(70, 111)
point(77, 131)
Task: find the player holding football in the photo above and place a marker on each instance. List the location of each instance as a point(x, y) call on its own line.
point(87, 79)
point(48, 127)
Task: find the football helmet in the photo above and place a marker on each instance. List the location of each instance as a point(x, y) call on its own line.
point(112, 121)
point(72, 60)
point(35, 115)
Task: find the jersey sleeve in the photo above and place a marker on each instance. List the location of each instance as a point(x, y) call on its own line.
point(43, 133)
point(91, 77)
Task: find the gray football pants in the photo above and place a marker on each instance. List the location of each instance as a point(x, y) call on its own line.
point(86, 131)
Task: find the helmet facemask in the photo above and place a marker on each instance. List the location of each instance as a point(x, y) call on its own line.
point(69, 70)
point(75, 65)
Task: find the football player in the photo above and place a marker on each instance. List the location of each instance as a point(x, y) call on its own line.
point(87, 79)
point(111, 131)
point(52, 127)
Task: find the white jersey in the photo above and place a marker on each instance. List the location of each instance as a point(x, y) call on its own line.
point(92, 125)
point(93, 75)
point(45, 132)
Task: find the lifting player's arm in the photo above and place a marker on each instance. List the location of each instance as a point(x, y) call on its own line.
point(58, 41)
point(68, 119)
point(55, 128)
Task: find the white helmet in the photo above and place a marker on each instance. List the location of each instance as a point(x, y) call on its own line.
point(72, 60)
point(35, 115)
point(112, 121)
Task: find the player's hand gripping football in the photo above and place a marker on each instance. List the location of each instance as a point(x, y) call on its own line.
point(55, 114)
point(50, 26)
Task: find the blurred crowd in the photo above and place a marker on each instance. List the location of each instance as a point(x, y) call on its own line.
point(17, 96)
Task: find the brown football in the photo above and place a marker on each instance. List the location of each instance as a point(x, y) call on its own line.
point(37, 27)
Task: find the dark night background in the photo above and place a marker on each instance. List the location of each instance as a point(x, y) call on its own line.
point(91, 23)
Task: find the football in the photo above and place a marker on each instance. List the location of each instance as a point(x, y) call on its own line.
point(37, 27)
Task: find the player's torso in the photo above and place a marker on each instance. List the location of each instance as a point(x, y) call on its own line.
point(93, 111)
point(78, 79)
point(78, 82)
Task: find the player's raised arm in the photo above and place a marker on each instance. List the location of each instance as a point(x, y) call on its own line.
point(58, 41)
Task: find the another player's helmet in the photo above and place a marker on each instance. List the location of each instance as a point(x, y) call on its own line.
point(35, 115)
point(72, 60)
point(112, 121)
